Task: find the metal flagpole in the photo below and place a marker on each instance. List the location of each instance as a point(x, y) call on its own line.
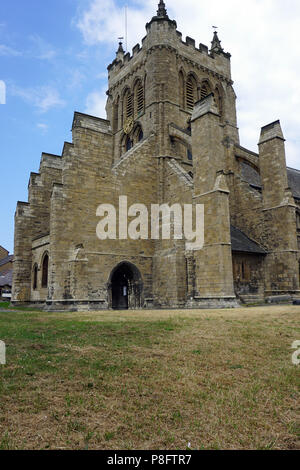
point(126, 26)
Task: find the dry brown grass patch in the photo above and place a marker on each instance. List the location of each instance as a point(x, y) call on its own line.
point(151, 380)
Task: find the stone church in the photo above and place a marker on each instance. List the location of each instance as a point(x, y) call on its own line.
point(170, 136)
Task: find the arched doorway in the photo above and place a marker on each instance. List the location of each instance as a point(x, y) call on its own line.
point(125, 287)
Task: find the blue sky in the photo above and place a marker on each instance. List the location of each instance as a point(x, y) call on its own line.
point(54, 55)
point(49, 72)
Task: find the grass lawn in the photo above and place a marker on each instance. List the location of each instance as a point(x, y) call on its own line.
point(219, 379)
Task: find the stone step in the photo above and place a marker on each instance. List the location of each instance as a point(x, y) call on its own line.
point(252, 298)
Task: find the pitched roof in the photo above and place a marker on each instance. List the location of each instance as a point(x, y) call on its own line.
point(6, 260)
point(294, 181)
point(252, 177)
point(6, 279)
point(240, 242)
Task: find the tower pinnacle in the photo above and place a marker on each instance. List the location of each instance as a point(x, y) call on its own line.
point(162, 12)
point(216, 44)
point(161, 15)
point(120, 49)
point(120, 52)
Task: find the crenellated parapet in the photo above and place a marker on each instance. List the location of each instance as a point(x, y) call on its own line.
point(162, 32)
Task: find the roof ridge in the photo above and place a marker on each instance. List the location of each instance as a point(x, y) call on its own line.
point(294, 169)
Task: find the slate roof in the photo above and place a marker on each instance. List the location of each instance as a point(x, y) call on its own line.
point(240, 242)
point(294, 181)
point(6, 279)
point(252, 177)
point(6, 260)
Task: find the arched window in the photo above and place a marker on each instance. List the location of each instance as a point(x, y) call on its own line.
point(128, 144)
point(137, 134)
point(189, 126)
point(191, 92)
point(138, 98)
point(127, 105)
point(189, 155)
point(181, 89)
point(45, 271)
point(140, 135)
point(35, 277)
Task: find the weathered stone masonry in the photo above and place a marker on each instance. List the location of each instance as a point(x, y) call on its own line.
point(170, 137)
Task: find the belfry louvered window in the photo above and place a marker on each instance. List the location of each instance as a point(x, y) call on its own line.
point(139, 96)
point(128, 104)
point(191, 93)
point(181, 90)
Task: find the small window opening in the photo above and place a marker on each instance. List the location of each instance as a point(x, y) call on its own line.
point(45, 271)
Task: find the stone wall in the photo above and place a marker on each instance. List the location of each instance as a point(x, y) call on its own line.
point(3, 253)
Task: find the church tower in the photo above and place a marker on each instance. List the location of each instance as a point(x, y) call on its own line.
point(153, 92)
point(155, 88)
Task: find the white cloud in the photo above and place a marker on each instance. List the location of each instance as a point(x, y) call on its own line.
point(76, 78)
point(47, 55)
point(8, 51)
point(96, 102)
point(261, 35)
point(41, 49)
point(2, 92)
point(43, 98)
point(104, 21)
point(43, 127)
